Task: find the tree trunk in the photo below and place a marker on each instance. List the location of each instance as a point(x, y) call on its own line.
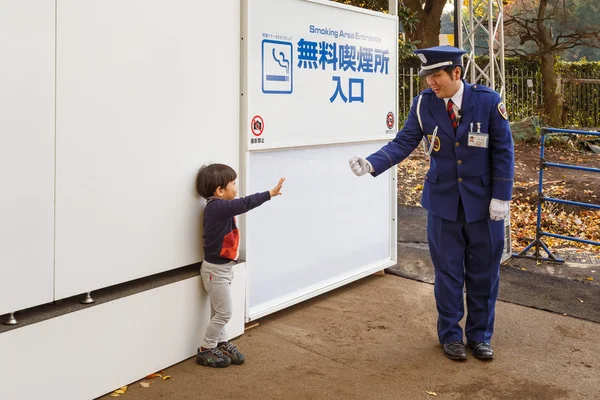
point(552, 97)
point(427, 32)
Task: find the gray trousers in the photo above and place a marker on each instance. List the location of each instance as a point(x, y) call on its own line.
point(216, 279)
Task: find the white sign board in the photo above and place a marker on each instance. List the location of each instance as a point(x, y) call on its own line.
point(320, 87)
point(319, 73)
point(328, 227)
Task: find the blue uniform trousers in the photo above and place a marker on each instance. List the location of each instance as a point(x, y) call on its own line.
point(465, 253)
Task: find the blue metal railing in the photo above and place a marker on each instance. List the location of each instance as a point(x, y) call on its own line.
point(538, 243)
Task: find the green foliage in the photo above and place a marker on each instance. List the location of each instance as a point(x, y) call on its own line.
point(408, 21)
point(591, 69)
point(582, 68)
point(375, 5)
point(581, 107)
point(409, 61)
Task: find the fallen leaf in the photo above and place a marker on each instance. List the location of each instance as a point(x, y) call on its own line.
point(152, 376)
point(591, 278)
point(145, 384)
point(167, 377)
point(523, 269)
point(120, 391)
point(431, 393)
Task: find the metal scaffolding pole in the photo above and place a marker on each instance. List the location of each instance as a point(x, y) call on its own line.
point(484, 19)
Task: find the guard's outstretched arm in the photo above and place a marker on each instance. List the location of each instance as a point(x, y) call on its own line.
point(406, 140)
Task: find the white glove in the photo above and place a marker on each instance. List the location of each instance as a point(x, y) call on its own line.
point(499, 209)
point(360, 166)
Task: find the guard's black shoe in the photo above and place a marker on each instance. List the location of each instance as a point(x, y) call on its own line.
point(482, 350)
point(455, 350)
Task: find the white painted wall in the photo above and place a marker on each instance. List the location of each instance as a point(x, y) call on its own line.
point(88, 353)
point(147, 91)
point(26, 153)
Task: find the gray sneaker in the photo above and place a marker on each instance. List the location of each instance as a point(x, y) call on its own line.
point(231, 351)
point(212, 358)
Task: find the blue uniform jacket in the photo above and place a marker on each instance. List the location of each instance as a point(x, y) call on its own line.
point(475, 174)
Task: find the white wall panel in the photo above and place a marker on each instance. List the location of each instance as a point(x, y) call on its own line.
point(147, 91)
point(87, 353)
point(26, 153)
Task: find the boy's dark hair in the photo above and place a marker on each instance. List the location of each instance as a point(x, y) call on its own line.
point(210, 177)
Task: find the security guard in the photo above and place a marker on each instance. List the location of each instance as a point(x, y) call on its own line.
point(466, 192)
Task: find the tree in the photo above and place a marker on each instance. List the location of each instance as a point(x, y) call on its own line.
point(544, 30)
point(429, 13)
point(407, 18)
point(423, 17)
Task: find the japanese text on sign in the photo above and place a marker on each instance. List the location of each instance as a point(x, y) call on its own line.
point(312, 55)
point(343, 57)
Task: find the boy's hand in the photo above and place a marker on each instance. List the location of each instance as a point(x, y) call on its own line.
point(276, 190)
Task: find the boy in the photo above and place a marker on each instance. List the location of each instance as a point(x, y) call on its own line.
point(216, 183)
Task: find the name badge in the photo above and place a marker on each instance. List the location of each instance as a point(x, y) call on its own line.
point(478, 140)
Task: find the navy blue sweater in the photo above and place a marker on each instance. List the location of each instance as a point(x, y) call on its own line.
point(221, 235)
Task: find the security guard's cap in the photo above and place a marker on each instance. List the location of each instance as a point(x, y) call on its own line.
point(437, 58)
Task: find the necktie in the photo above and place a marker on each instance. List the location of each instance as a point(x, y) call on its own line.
point(452, 115)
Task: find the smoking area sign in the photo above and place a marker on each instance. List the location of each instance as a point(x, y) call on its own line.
point(320, 74)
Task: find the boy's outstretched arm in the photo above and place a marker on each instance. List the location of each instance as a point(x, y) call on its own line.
point(230, 208)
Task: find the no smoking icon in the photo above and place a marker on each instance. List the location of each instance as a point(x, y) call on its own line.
point(257, 125)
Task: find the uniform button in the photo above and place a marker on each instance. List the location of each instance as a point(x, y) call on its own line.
point(459, 162)
point(460, 179)
point(456, 144)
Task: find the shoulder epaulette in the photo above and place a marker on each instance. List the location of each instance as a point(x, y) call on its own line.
point(482, 88)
